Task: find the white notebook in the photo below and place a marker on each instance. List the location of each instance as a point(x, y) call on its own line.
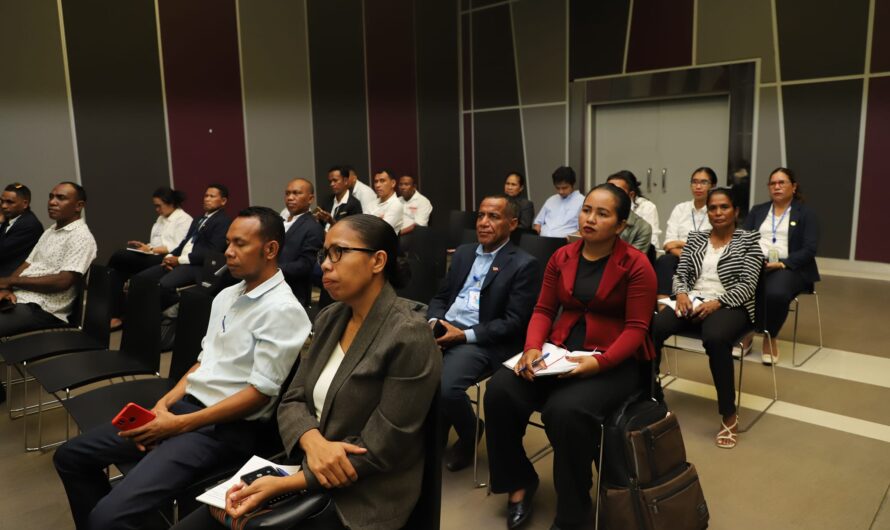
point(696, 301)
point(555, 362)
point(216, 496)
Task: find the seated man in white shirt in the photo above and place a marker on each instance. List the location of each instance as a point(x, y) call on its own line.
point(364, 193)
point(416, 208)
point(40, 293)
point(388, 206)
point(559, 215)
point(208, 420)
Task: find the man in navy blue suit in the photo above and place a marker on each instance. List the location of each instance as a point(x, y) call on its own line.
point(183, 266)
point(19, 227)
point(304, 236)
point(480, 315)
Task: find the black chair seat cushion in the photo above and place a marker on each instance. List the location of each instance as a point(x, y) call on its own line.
point(99, 406)
point(41, 345)
point(82, 368)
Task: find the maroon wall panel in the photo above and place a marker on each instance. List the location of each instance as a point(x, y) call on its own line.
point(660, 34)
point(392, 93)
point(880, 49)
point(871, 239)
point(203, 85)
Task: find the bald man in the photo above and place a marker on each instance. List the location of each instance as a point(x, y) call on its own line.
point(302, 240)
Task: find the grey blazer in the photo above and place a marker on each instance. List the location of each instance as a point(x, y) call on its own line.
point(378, 400)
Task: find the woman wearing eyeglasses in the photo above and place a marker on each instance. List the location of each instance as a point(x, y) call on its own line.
point(354, 413)
point(789, 237)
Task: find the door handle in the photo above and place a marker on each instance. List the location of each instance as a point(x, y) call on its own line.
point(649, 180)
point(664, 172)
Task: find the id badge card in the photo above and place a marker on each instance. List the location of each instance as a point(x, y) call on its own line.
point(473, 300)
point(773, 255)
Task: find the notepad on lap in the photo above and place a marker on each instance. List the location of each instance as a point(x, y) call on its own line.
point(556, 362)
point(216, 496)
point(140, 251)
point(670, 302)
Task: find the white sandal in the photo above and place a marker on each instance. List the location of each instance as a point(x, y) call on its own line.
point(727, 435)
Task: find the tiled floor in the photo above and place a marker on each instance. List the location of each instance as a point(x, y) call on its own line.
point(819, 459)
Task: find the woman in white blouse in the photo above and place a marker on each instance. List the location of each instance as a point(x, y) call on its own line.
point(167, 232)
point(715, 285)
point(689, 216)
point(643, 207)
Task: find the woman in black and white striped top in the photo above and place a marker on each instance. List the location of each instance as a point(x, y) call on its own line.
point(714, 286)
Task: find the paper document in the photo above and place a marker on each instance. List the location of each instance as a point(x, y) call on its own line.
point(696, 301)
point(139, 251)
point(555, 363)
point(216, 496)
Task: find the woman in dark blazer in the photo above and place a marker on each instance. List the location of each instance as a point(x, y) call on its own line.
point(514, 188)
point(714, 285)
point(606, 292)
point(789, 237)
point(354, 413)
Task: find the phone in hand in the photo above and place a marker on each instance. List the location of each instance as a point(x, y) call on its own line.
point(267, 471)
point(439, 329)
point(132, 416)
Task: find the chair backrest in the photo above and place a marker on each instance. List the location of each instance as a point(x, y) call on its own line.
point(142, 328)
point(191, 326)
point(428, 510)
point(97, 311)
point(458, 221)
point(76, 317)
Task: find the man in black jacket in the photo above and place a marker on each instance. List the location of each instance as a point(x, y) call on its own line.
point(480, 315)
point(303, 238)
point(207, 234)
point(19, 227)
point(345, 203)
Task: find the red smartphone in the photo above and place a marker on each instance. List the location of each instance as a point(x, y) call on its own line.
point(132, 416)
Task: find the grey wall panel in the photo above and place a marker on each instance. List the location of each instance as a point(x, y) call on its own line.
point(730, 30)
point(821, 141)
point(498, 149)
point(277, 104)
point(114, 67)
point(545, 148)
point(769, 147)
point(36, 145)
point(438, 126)
point(539, 27)
point(821, 38)
point(577, 108)
point(339, 110)
point(494, 71)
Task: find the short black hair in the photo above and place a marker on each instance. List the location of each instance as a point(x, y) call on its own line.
point(412, 177)
point(347, 169)
point(301, 179)
point(727, 192)
point(521, 177)
point(78, 190)
point(708, 171)
point(512, 208)
point(564, 174)
point(19, 189)
point(342, 170)
point(628, 178)
point(223, 190)
point(169, 196)
point(377, 234)
point(622, 209)
point(389, 173)
point(271, 224)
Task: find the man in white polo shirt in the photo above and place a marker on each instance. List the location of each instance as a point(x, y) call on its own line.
point(208, 420)
point(415, 207)
point(388, 206)
point(364, 193)
point(43, 288)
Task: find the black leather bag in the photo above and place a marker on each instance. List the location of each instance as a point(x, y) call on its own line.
point(287, 513)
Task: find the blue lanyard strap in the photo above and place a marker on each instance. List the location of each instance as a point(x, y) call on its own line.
point(782, 218)
point(696, 227)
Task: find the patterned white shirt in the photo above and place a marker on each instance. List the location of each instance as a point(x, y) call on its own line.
point(71, 248)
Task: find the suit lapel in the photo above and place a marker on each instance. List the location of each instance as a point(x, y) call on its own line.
point(294, 227)
point(614, 270)
point(794, 218)
point(326, 348)
point(360, 344)
point(500, 262)
point(462, 264)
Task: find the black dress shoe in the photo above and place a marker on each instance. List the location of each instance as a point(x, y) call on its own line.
point(461, 454)
point(519, 512)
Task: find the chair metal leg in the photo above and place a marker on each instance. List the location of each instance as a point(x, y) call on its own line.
point(794, 343)
point(599, 475)
point(673, 375)
point(476, 482)
point(771, 403)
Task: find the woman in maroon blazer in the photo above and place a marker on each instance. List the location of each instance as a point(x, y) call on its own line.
point(605, 289)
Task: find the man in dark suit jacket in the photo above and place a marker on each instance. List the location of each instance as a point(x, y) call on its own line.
point(19, 228)
point(480, 314)
point(345, 203)
point(207, 234)
point(303, 238)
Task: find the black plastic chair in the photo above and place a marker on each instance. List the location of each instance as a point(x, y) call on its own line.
point(541, 248)
point(93, 335)
point(140, 352)
point(458, 222)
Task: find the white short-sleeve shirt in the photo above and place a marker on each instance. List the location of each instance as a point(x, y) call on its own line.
point(685, 218)
point(365, 195)
point(71, 248)
point(416, 210)
point(647, 210)
point(390, 211)
point(170, 231)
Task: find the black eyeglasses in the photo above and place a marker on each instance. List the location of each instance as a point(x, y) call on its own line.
point(335, 252)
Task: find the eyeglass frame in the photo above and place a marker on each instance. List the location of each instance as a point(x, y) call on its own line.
point(325, 253)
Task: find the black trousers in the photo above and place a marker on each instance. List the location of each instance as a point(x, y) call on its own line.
point(171, 280)
point(462, 366)
point(665, 268)
point(780, 288)
point(201, 519)
point(124, 264)
point(719, 331)
point(569, 410)
point(23, 318)
point(161, 472)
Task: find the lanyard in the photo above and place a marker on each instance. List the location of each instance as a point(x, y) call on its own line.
point(696, 227)
point(782, 218)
